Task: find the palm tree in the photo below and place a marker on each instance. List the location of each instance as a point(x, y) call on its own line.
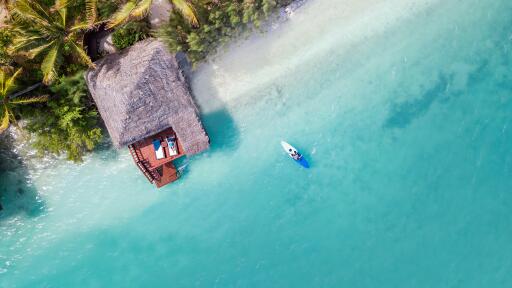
point(7, 85)
point(138, 9)
point(50, 33)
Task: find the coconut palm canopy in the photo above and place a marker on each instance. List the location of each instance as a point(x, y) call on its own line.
point(7, 85)
point(142, 91)
point(138, 9)
point(47, 32)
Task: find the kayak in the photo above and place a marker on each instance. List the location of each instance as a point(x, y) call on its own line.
point(295, 154)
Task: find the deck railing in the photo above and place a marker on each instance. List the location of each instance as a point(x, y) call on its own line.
point(151, 175)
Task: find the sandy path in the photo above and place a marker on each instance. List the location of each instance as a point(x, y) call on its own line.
point(3, 15)
point(159, 12)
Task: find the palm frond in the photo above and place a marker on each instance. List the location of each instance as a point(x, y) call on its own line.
point(9, 82)
point(122, 15)
point(91, 11)
point(63, 13)
point(82, 55)
point(30, 100)
point(187, 10)
point(141, 10)
point(59, 4)
point(35, 51)
point(49, 64)
point(2, 83)
point(5, 121)
point(27, 43)
point(80, 26)
point(33, 8)
point(29, 21)
point(29, 11)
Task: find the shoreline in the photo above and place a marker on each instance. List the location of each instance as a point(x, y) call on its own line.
point(232, 71)
point(24, 150)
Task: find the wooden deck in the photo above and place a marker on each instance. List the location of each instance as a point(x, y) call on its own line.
point(157, 171)
point(146, 149)
point(169, 175)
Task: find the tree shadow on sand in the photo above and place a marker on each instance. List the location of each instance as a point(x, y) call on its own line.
point(17, 194)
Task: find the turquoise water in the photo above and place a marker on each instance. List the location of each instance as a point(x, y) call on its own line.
point(406, 129)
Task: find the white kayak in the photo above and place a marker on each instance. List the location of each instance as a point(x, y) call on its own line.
point(295, 154)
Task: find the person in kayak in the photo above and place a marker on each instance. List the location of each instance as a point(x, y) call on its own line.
point(295, 155)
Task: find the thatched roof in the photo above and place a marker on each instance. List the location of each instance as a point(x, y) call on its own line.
point(142, 91)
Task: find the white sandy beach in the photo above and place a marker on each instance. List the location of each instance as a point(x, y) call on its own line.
point(244, 65)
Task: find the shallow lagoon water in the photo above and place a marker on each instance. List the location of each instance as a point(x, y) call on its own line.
point(403, 111)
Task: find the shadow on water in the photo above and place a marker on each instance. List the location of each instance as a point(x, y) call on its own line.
point(106, 150)
point(17, 193)
point(403, 114)
point(222, 130)
point(218, 122)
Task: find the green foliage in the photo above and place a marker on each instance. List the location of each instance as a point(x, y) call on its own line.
point(69, 122)
point(47, 34)
point(5, 42)
point(220, 21)
point(107, 8)
point(51, 36)
point(73, 68)
point(8, 103)
point(130, 33)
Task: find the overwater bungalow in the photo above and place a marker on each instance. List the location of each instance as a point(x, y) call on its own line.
point(146, 104)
